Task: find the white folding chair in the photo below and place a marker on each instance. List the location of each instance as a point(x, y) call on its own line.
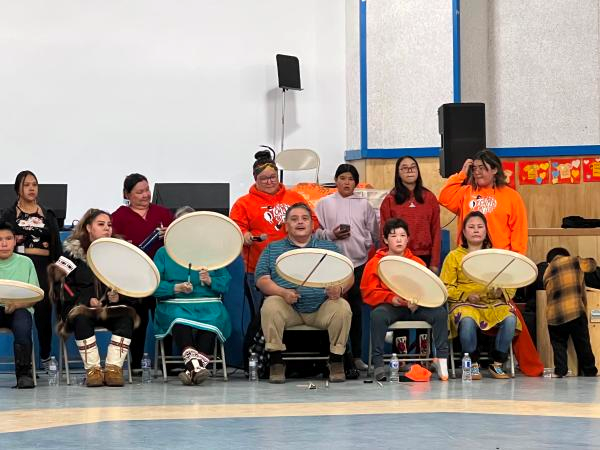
point(483, 355)
point(298, 159)
point(218, 357)
point(404, 325)
point(11, 362)
point(64, 357)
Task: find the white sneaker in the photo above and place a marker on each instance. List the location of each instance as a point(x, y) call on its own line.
point(441, 367)
point(360, 364)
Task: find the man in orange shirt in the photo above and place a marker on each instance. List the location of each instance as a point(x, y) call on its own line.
point(389, 308)
point(481, 186)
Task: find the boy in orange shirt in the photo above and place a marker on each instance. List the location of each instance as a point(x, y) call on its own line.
point(389, 308)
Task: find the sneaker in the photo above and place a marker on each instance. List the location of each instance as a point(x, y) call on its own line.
point(379, 374)
point(497, 371)
point(336, 372)
point(46, 364)
point(475, 373)
point(277, 374)
point(360, 364)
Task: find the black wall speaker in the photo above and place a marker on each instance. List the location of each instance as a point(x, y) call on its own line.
point(200, 196)
point(462, 126)
point(288, 72)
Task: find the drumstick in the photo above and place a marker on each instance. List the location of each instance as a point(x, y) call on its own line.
point(500, 273)
point(313, 271)
point(189, 272)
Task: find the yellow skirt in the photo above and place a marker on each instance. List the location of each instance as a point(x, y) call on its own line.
point(485, 315)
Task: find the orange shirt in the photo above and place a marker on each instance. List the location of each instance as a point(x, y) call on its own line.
point(503, 208)
point(258, 213)
point(373, 290)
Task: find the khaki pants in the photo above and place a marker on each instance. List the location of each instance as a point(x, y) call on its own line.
point(333, 315)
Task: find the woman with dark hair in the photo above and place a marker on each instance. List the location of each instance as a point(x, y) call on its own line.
point(260, 214)
point(481, 186)
point(417, 205)
point(37, 237)
point(350, 221)
point(135, 221)
point(472, 307)
point(80, 307)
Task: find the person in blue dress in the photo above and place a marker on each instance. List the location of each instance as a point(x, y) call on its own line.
point(191, 311)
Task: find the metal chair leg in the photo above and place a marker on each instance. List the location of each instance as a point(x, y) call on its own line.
point(224, 363)
point(452, 364)
point(164, 362)
point(155, 358)
point(34, 372)
point(66, 360)
point(512, 362)
point(129, 375)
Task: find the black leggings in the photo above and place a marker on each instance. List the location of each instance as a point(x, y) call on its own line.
point(201, 340)
point(355, 300)
point(42, 311)
point(120, 326)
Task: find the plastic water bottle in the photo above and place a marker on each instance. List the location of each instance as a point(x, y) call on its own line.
point(466, 368)
point(253, 367)
point(52, 372)
point(394, 369)
point(146, 369)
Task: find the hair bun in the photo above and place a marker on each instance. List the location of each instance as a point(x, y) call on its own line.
point(262, 155)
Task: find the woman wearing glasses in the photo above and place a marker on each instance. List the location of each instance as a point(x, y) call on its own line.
point(260, 214)
point(481, 186)
point(418, 207)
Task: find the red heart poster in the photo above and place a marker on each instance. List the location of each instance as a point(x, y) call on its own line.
point(565, 171)
point(533, 172)
point(510, 170)
point(591, 169)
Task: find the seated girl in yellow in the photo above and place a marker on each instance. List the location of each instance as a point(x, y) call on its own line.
point(472, 307)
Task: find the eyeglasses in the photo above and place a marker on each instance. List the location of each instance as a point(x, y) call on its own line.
point(271, 179)
point(409, 169)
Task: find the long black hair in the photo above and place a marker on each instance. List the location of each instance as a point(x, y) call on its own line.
point(487, 242)
point(401, 192)
point(20, 180)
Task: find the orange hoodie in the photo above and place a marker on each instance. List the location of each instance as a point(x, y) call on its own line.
point(503, 208)
point(258, 213)
point(374, 291)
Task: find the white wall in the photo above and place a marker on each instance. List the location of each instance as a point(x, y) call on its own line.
point(179, 91)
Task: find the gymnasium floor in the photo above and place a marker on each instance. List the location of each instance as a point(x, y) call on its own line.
point(524, 413)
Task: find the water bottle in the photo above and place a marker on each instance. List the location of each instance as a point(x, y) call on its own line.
point(466, 368)
point(253, 367)
point(394, 369)
point(52, 372)
point(146, 369)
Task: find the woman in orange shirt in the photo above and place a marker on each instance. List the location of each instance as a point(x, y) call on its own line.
point(481, 186)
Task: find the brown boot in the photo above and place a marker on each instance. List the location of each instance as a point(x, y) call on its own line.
point(336, 372)
point(277, 374)
point(113, 376)
point(94, 377)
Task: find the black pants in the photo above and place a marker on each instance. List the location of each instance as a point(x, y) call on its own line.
point(578, 331)
point(120, 326)
point(201, 340)
point(355, 300)
point(42, 310)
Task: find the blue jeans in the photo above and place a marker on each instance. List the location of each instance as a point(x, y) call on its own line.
point(254, 296)
point(467, 331)
point(20, 323)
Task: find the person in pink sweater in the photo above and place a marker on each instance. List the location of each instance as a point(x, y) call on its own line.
point(419, 208)
point(350, 221)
